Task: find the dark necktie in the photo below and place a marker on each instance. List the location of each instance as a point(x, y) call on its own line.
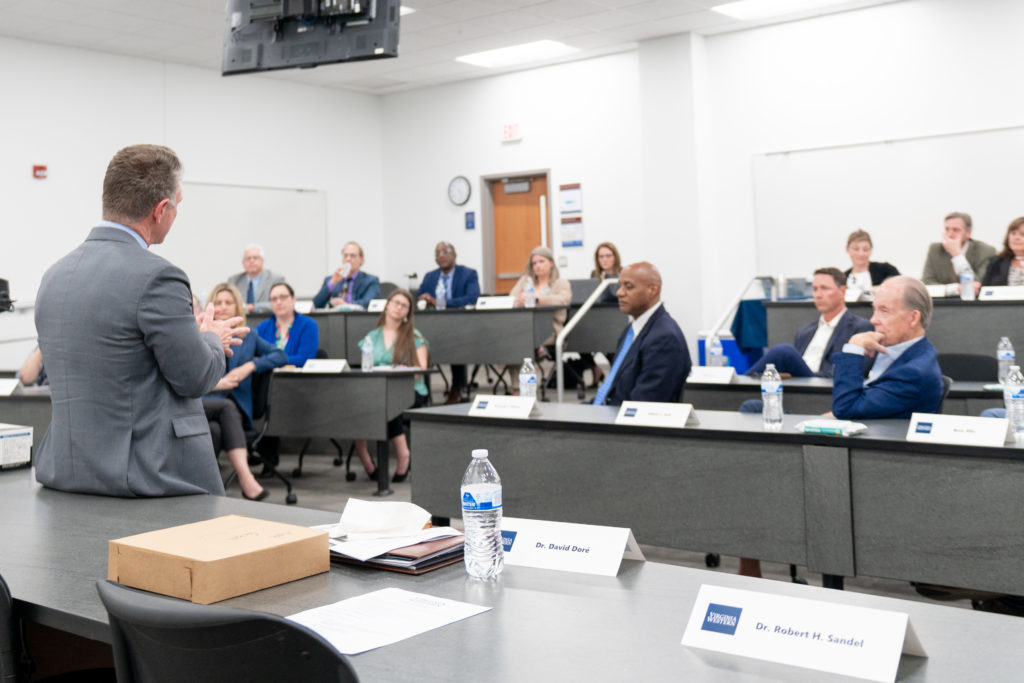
point(250, 298)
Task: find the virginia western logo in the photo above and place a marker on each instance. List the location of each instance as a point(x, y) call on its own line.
point(924, 428)
point(507, 539)
point(721, 619)
point(630, 412)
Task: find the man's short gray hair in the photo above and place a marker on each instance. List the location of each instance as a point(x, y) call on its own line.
point(915, 297)
point(251, 246)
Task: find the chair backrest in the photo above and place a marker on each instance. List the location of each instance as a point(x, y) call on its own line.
point(386, 288)
point(947, 384)
point(969, 367)
point(260, 393)
point(581, 289)
point(159, 639)
point(8, 641)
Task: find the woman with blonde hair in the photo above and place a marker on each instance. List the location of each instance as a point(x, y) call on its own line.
point(229, 407)
point(865, 274)
point(397, 342)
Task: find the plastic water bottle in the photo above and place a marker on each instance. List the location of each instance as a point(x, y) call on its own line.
point(771, 396)
point(1005, 356)
point(440, 296)
point(527, 379)
point(1013, 397)
point(716, 354)
point(481, 518)
point(967, 286)
point(530, 296)
point(366, 363)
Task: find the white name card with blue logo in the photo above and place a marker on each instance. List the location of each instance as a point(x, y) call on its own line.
point(705, 374)
point(582, 548)
point(325, 365)
point(1001, 293)
point(514, 407)
point(495, 302)
point(858, 642)
point(376, 305)
point(648, 414)
point(959, 430)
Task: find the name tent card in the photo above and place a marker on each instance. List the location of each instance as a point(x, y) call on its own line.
point(325, 365)
point(304, 306)
point(582, 548)
point(376, 305)
point(648, 414)
point(7, 386)
point(516, 407)
point(857, 642)
point(959, 430)
point(495, 302)
point(1001, 294)
point(705, 374)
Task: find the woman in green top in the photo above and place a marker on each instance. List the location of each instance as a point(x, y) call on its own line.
point(396, 342)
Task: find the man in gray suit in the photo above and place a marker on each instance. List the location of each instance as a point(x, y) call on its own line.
point(255, 282)
point(126, 359)
point(955, 255)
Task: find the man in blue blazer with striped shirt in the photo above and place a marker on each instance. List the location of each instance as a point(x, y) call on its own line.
point(651, 359)
point(462, 288)
point(905, 377)
point(348, 285)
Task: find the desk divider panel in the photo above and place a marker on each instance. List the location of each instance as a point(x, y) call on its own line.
point(829, 517)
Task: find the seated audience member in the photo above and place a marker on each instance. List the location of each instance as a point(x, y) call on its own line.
point(397, 342)
point(864, 275)
point(905, 377)
point(462, 288)
point(295, 334)
point(607, 263)
point(814, 344)
point(549, 290)
point(1007, 267)
point(255, 281)
point(32, 372)
point(957, 253)
point(229, 408)
point(651, 359)
point(348, 285)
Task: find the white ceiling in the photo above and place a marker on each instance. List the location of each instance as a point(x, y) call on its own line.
point(191, 32)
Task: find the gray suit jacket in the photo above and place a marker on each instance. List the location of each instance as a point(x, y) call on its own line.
point(268, 279)
point(127, 365)
point(938, 266)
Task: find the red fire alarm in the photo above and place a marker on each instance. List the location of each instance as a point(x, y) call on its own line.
point(39, 172)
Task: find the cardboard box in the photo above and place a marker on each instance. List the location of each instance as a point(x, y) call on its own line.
point(218, 559)
point(15, 446)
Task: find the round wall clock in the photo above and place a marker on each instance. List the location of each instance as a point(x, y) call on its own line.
point(459, 190)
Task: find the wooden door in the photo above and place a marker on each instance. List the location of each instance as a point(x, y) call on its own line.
point(517, 225)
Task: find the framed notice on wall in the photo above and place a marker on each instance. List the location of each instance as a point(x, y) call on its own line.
point(570, 206)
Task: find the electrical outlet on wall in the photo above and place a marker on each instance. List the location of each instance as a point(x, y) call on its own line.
point(563, 261)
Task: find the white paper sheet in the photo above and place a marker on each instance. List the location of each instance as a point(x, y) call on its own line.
point(364, 549)
point(383, 617)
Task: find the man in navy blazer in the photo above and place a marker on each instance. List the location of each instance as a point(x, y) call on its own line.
point(905, 377)
point(656, 363)
point(462, 288)
point(348, 285)
point(814, 344)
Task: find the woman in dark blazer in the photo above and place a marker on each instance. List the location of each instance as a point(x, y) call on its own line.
point(1007, 267)
point(229, 408)
point(295, 334)
point(859, 247)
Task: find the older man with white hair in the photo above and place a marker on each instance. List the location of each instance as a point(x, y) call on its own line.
point(905, 377)
point(255, 282)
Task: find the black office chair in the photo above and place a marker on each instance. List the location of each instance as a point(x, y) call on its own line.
point(969, 367)
point(161, 640)
point(386, 288)
point(947, 384)
point(9, 637)
point(254, 434)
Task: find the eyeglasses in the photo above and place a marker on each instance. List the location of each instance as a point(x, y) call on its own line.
point(281, 297)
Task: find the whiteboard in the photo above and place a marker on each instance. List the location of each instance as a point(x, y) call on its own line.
point(215, 223)
point(807, 202)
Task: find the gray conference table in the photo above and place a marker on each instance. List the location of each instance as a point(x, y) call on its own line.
point(544, 625)
point(957, 326)
point(873, 505)
point(346, 405)
point(813, 395)
point(484, 337)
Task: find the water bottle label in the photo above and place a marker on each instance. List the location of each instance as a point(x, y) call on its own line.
point(481, 500)
point(1016, 393)
point(967, 277)
point(1006, 355)
point(771, 388)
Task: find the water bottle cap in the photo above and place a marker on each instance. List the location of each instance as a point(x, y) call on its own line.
point(527, 361)
point(769, 366)
point(479, 452)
